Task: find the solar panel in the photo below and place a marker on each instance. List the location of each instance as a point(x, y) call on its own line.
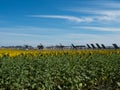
point(93, 46)
point(88, 46)
point(115, 46)
point(98, 46)
point(103, 46)
point(74, 47)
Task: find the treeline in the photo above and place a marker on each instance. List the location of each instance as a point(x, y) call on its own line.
point(60, 46)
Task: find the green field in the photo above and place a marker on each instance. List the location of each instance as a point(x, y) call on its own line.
point(93, 70)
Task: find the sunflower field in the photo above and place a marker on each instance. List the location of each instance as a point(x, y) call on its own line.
point(59, 69)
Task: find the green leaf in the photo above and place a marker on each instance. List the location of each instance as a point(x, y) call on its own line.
point(118, 83)
point(59, 87)
point(33, 86)
point(80, 84)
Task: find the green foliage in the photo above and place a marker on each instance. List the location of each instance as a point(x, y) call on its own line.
point(61, 72)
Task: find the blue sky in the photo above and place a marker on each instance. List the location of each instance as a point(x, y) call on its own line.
point(51, 22)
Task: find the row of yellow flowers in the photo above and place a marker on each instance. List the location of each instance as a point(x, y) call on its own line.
point(14, 52)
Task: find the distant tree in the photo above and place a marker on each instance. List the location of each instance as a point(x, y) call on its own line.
point(26, 46)
point(40, 46)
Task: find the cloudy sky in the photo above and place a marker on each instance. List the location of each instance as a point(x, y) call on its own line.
point(51, 22)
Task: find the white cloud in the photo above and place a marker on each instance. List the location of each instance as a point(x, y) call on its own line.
point(111, 5)
point(99, 28)
point(107, 39)
point(65, 17)
point(16, 38)
point(101, 15)
point(106, 15)
point(20, 35)
point(29, 30)
point(104, 11)
point(65, 39)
